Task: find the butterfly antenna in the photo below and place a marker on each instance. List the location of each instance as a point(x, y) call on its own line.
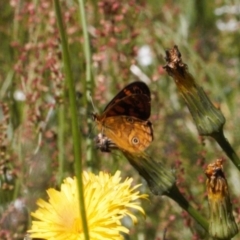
point(90, 97)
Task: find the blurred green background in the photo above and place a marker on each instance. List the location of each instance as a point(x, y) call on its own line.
point(128, 41)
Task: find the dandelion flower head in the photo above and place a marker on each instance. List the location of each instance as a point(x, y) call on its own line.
point(107, 201)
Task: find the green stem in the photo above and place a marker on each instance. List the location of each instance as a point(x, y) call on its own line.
point(73, 110)
point(87, 51)
point(6, 84)
point(88, 82)
point(227, 148)
point(60, 142)
point(175, 195)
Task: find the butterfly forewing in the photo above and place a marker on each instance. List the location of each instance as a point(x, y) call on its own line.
point(136, 105)
point(132, 88)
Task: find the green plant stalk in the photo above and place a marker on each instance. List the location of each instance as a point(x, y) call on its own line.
point(176, 195)
point(227, 148)
point(19, 180)
point(73, 111)
point(6, 84)
point(86, 45)
point(88, 82)
point(60, 142)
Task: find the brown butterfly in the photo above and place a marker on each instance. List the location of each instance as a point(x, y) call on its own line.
point(125, 118)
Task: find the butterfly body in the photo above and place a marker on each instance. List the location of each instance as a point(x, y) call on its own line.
point(125, 118)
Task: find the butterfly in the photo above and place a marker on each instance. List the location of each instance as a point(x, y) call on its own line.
point(125, 119)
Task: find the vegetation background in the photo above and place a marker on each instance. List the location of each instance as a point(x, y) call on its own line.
point(128, 42)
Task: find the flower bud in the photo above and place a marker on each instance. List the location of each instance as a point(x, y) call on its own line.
point(222, 224)
point(208, 119)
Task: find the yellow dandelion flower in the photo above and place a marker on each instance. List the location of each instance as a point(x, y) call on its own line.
point(107, 201)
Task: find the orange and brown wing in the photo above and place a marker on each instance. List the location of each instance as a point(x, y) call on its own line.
point(129, 133)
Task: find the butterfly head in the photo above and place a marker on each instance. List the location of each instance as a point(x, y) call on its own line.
point(94, 117)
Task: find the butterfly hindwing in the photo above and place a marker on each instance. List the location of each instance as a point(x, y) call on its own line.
point(129, 133)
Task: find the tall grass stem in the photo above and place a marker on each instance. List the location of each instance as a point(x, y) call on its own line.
point(73, 111)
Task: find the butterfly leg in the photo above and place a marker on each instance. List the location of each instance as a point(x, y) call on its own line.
point(104, 143)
